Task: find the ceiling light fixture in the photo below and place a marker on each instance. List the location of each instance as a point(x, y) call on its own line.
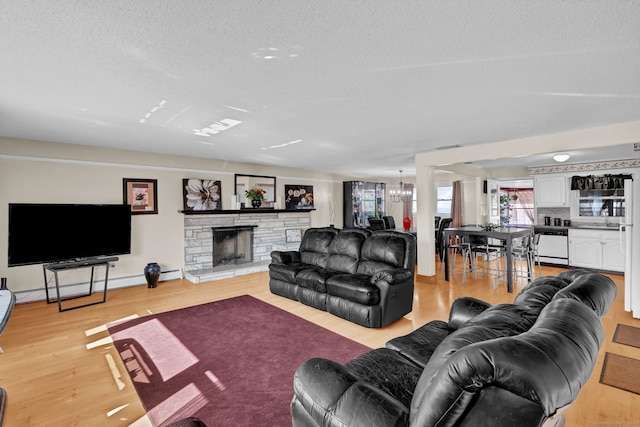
point(561, 157)
point(400, 194)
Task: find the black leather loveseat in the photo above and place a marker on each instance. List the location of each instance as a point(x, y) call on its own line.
point(360, 275)
point(517, 364)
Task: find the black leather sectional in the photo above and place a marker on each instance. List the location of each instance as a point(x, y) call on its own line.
point(519, 364)
point(360, 275)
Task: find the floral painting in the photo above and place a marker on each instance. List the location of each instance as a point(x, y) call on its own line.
point(298, 196)
point(141, 195)
point(201, 194)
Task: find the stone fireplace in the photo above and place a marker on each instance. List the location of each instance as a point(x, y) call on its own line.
point(232, 245)
point(268, 234)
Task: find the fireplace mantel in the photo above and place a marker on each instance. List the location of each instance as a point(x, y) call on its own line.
point(245, 211)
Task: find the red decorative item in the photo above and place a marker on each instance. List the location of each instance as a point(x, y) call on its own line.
point(406, 222)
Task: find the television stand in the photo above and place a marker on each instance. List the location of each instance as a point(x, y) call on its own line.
point(72, 265)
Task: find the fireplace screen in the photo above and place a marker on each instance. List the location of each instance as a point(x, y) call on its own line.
point(232, 245)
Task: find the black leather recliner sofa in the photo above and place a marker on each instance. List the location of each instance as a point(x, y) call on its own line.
point(360, 275)
point(519, 364)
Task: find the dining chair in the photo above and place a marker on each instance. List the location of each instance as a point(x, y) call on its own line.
point(389, 222)
point(375, 224)
point(490, 255)
point(444, 223)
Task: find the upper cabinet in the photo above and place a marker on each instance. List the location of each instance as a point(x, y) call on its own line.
point(551, 191)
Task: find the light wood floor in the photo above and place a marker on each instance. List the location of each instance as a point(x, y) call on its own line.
point(53, 379)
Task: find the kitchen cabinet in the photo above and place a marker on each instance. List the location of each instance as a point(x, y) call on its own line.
point(550, 191)
point(362, 200)
point(597, 249)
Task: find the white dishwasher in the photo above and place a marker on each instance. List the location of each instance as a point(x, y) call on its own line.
point(553, 247)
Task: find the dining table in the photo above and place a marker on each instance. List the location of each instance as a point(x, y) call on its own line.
point(505, 234)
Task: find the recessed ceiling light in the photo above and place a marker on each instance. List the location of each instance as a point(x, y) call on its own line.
point(561, 157)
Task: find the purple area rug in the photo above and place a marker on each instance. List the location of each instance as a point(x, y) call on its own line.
point(228, 362)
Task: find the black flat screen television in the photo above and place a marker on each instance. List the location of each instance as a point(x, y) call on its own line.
point(45, 233)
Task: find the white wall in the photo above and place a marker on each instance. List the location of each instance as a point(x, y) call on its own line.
point(44, 172)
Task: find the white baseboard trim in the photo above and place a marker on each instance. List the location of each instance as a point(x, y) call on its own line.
point(34, 295)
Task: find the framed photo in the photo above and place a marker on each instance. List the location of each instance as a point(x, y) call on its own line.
point(298, 197)
point(293, 235)
point(141, 195)
point(201, 194)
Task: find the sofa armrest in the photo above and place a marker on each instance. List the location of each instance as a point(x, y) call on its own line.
point(285, 257)
point(465, 308)
point(332, 396)
point(391, 276)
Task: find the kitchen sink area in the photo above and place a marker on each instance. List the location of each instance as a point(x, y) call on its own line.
point(596, 225)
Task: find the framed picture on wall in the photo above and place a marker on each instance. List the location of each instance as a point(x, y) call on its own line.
point(141, 195)
point(298, 197)
point(201, 194)
point(293, 235)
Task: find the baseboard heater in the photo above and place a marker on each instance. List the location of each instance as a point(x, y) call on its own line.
point(34, 295)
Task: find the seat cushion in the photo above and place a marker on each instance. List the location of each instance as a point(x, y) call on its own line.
point(354, 287)
point(315, 279)
point(419, 345)
point(388, 371)
point(286, 272)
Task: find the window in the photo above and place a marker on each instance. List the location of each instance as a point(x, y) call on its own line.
point(414, 204)
point(519, 210)
point(600, 203)
point(443, 199)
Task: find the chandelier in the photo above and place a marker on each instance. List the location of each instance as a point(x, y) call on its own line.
point(400, 194)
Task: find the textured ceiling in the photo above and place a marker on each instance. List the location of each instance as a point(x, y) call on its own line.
point(355, 87)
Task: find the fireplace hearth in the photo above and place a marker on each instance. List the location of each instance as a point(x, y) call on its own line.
point(232, 245)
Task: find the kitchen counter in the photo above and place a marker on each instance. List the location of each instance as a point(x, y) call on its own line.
point(577, 226)
point(537, 228)
point(588, 226)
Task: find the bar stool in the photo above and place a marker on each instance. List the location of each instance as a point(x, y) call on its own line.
point(523, 252)
point(535, 254)
point(488, 253)
point(496, 261)
point(465, 251)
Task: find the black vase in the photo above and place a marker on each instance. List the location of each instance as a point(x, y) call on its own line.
point(256, 203)
point(152, 274)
